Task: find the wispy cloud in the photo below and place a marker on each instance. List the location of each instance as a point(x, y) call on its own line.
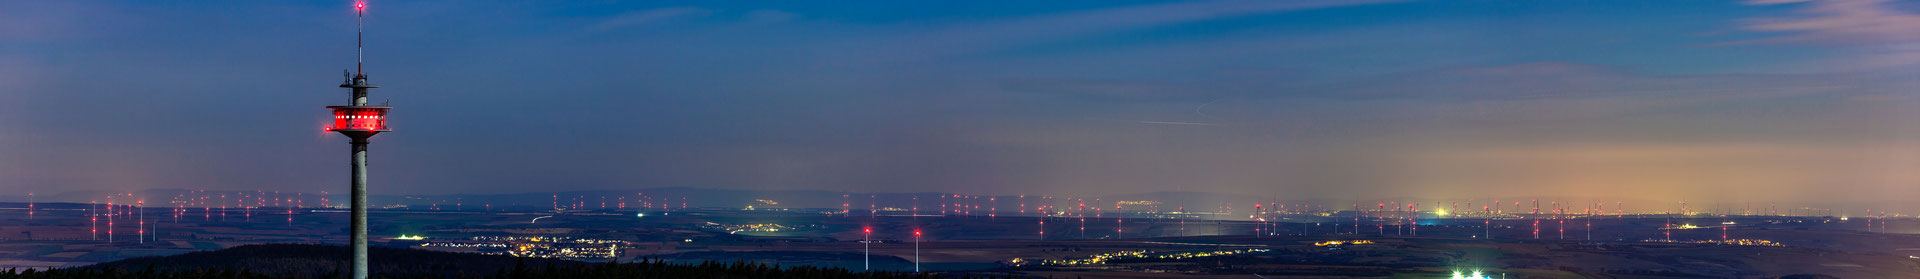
point(1123, 90)
point(770, 16)
point(1876, 34)
point(1518, 81)
point(1841, 22)
point(1554, 80)
point(645, 17)
point(978, 36)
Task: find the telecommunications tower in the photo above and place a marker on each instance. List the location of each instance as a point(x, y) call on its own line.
point(359, 121)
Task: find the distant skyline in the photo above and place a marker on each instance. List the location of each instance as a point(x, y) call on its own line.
point(1765, 100)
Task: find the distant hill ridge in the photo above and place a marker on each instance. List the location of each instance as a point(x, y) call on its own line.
point(322, 261)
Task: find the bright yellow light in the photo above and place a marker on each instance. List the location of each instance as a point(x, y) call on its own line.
point(1440, 212)
point(1338, 242)
point(411, 237)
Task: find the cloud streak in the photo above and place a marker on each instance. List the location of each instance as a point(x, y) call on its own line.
point(970, 37)
point(1877, 34)
point(651, 16)
point(1843, 22)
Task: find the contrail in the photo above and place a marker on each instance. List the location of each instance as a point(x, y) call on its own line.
point(1180, 123)
point(1197, 109)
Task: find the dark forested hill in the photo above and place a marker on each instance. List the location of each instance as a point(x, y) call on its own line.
point(320, 261)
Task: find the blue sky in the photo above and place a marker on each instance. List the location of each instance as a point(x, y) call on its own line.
point(1339, 99)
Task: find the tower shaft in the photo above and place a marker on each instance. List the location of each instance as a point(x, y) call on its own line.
point(359, 122)
point(360, 207)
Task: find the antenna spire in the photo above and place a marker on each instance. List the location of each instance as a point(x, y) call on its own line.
point(359, 37)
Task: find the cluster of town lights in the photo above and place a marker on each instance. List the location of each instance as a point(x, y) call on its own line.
point(1475, 275)
point(736, 229)
point(1342, 242)
point(534, 246)
point(1103, 258)
point(1735, 241)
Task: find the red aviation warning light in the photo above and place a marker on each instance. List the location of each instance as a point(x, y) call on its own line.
point(359, 119)
point(359, 5)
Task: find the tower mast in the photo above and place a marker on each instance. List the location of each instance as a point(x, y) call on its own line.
point(359, 122)
point(360, 37)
